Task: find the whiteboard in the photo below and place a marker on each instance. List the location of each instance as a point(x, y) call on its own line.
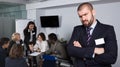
point(20, 25)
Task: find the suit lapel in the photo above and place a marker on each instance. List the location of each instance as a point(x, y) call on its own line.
point(84, 35)
point(95, 33)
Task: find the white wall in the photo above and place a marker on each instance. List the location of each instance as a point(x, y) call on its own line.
point(68, 19)
point(106, 13)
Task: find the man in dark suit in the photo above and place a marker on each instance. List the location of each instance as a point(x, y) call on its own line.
point(92, 44)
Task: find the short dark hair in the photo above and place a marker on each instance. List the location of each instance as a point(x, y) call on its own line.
point(42, 36)
point(53, 37)
point(4, 40)
point(89, 5)
point(16, 51)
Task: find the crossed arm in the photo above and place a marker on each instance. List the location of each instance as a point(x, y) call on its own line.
point(96, 50)
point(103, 55)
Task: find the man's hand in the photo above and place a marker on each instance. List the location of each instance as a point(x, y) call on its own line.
point(99, 51)
point(77, 44)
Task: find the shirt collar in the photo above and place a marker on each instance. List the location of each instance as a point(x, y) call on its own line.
point(93, 25)
point(30, 30)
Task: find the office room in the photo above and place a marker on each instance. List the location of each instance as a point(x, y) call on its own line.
point(19, 12)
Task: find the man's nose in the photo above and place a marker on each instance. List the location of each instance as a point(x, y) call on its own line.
point(83, 18)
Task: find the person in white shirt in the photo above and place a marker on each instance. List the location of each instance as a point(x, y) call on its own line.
point(41, 43)
point(40, 46)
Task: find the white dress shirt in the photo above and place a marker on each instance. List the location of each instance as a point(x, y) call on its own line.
point(43, 46)
point(91, 31)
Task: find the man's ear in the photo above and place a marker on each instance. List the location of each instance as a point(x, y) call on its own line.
point(94, 12)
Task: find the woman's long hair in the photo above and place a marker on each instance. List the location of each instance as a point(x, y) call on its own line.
point(16, 51)
point(29, 23)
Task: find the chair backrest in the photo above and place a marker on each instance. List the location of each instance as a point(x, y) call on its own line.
point(68, 57)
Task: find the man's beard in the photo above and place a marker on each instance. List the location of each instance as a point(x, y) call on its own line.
point(89, 22)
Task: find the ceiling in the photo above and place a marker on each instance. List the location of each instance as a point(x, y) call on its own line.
point(8, 4)
point(106, 1)
point(12, 3)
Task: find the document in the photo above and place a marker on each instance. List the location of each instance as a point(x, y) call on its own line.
point(35, 54)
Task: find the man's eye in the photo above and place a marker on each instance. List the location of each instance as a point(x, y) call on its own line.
point(80, 16)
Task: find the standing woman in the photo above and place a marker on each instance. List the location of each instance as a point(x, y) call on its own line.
point(29, 34)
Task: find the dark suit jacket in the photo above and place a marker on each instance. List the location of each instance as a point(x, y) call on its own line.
point(3, 55)
point(27, 37)
point(17, 62)
point(103, 60)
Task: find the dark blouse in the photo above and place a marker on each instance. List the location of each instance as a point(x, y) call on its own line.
point(3, 55)
point(17, 62)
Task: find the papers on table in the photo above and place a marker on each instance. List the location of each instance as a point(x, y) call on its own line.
point(35, 54)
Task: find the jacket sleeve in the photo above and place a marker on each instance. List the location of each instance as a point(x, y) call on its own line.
point(110, 55)
point(25, 32)
point(86, 52)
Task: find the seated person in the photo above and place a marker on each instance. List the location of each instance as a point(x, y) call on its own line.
point(55, 51)
point(31, 47)
point(31, 59)
point(15, 39)
point(56, 48)
point(41, 43)
point(4, 43)
point(16, 58)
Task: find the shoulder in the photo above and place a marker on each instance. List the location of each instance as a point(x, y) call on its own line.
point(1, 49)
point(106, 26)
point(21, 59)
point(37, 41)
point(12, 42)
point(44, 42)
point(58, 43)
point(78, 26)
point(8, 58)
point(25, 30)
